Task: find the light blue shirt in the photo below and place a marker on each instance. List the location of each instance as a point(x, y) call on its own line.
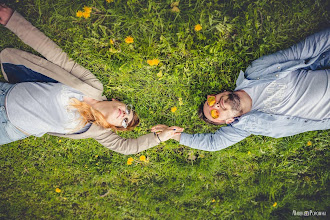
point(311, 54)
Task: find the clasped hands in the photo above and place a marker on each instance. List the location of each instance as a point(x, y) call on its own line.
point(165, 132)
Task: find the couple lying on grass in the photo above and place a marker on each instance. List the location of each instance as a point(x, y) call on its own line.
point(279, 95)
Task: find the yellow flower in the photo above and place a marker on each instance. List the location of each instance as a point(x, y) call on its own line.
point(309, 143)
point(173, 109)
point(109, 1)
point(87, 9)
point(198, 27)
point(96, 155)
point(58, 190)
point(129, 40)
point(130, 161)
point(143, 158)
point(153, 62)
point(59, 141)
point(213, 200)
point(97, 164)
point(111, 41)
point(275, 204)
point(86, 14)
point(79, 14)
point(249, 153)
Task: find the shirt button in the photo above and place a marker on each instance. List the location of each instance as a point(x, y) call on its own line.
point(276, 75)
point(258, 78)
point(278, 67)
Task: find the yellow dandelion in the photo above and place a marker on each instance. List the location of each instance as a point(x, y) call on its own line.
point(109, 1)
point(129, 162)
point(130, 159)
point(143, 158)
point(96, 156)
point(58, 190)
point(79, 14)
point(309, 143)
point(275, 204)
point(173, 109)
point(249, 153)
point(59, 141)
point(198, 27)
point(111, 41)
point(97, 164)
point(156, 62)
point(213, 200)
point(86, 14)
point(150, 62)
point(129, 40)
point(87, 9)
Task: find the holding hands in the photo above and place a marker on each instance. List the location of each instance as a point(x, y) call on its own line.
point(165, 132)
point(5, 14)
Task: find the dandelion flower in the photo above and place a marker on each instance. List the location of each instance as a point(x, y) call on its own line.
point(111, 41)
point(79, 14)
point(213, 200)
point(58, 190)
point(130, 161)
point(59, 141)
point(153, 62)
point(275, 204)
point(86, 14)
point(129, 40)
point(87, 9)
point(143, 158)
point(173, 109)
point(198, 27)
point(109, 1)
point(249, 153)
point(309, 143)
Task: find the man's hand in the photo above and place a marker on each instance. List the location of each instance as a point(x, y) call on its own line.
point(5, 14)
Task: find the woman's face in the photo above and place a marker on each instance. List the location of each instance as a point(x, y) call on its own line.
point(115, 112)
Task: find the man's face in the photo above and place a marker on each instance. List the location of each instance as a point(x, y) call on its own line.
point(225, 108)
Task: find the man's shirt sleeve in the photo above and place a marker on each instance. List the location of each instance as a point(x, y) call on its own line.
point(222, 138)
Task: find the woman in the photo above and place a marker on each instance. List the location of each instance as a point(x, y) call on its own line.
point(57, 96)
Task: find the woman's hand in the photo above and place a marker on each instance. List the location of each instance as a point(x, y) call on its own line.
point(165, 133)
point(5, 14)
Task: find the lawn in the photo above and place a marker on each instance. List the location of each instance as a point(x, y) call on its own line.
point(258, 178)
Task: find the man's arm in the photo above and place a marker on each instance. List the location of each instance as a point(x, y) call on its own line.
point(222, 138)
point(305, 50)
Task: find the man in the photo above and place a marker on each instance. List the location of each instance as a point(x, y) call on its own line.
point(279, 95)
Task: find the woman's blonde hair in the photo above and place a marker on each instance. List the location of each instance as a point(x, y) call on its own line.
point(90, 115)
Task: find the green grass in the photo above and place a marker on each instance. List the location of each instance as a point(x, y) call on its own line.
point(240, 182)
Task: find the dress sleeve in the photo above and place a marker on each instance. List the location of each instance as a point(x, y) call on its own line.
point(31, 36)
point(222, 138)
point(118, 144)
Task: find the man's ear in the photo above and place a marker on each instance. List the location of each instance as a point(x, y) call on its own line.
point(230, 120)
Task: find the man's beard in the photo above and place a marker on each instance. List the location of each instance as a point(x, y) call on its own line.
point(235, 102)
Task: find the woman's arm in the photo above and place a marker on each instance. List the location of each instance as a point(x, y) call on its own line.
point(116, 143)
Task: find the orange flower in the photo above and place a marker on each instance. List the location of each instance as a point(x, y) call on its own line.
point(198, 27)
point(129, 40)
point(79, 14)
point(58, 190)
point(173, 109)
point(153, 62)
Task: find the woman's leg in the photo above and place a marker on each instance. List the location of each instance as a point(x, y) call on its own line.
point(8, 132)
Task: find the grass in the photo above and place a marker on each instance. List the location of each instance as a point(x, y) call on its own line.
point(258, 178)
